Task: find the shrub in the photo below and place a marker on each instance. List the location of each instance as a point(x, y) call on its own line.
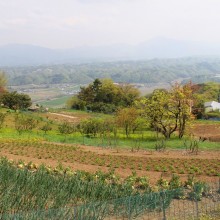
point(90, 127)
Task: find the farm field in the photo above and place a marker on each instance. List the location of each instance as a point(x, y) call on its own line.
point(58, 102)
point(49, 95)
point(115, 169)
point(208, 129)
point(205, 165)
point(51, 176)
point(32, 191)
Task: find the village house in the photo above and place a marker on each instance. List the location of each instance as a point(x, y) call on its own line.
point(212, 106)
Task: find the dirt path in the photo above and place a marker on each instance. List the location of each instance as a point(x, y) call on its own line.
point(62, 115)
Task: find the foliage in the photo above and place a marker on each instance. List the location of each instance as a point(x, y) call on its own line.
point(24, 123)
point(29, 191)
point(182, 97)
point(199, 188)
point(46, 127)
point(104, 96)
point(160, 145)
point(53, 188)
point(211, 115)
point(138, 182)
point(2, 118)
point(205, 92)
point(14, 100)
point(90, 127)
point(66, 128)
point(102, 107)
point(76, 103)
point(175, 182)
point(191, 145)
point(158, 110)
point(168, 111)
point(142, 71)
point(127, 118)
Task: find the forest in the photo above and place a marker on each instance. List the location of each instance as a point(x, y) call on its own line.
point(198, 70)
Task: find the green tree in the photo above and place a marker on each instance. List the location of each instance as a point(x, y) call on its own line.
point(90, 127)
point(105, 96)
point(46, 127)
point(25, 123)
point(127, 118)
point(182, 99)
point(159, 111)
point(128, 94)
point(167, 111)
point(76, 103)
point(204, 93)
point(66, 128)
point(14, 100)
point(86, 94)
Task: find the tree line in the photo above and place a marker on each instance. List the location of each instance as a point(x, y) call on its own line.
point(164, 111)
point(143, 71)
point(12, 100)
point(104, 96)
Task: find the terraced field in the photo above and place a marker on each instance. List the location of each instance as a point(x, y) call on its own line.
point(205, 165)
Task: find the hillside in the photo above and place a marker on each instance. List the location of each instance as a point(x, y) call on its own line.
point(198, 70)
point(209, 91)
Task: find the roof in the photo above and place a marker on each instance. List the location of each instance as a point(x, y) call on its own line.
point(211, 104)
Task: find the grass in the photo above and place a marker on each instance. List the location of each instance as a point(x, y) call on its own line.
point(56, 102)
point(71, 154)
point(135, 141)
point(209, 122)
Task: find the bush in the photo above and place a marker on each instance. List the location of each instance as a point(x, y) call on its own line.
point(14, 100)
point(102, 107)
point(25, 123)
point(199, 189)
point(66, 128)
point(213, 114)
point(76, 103)
point(90, 127)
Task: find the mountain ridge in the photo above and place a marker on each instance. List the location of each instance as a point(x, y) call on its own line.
point(25, 54)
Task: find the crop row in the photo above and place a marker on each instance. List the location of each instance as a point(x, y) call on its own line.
point(26, 189)
point(72, 154)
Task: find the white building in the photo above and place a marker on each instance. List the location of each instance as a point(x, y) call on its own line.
point(212, 106)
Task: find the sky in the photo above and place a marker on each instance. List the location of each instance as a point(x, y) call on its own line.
point(76, 23)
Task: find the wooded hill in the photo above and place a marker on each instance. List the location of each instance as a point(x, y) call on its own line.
point(198, 70)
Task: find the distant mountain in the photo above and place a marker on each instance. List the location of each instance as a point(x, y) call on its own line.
point(196, 69)
point(17, 54)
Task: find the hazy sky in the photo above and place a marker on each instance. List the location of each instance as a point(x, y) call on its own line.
point(71, 23)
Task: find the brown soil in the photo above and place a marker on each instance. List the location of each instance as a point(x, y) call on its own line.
point(152, 153)
point(123, 172)
point(209, 132)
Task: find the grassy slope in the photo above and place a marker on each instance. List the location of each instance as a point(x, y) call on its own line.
point(148, 140)
point(55, 103)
